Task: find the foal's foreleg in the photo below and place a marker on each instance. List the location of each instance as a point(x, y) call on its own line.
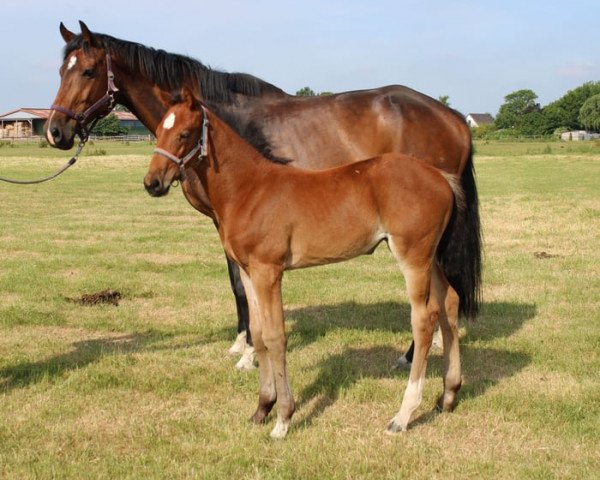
point(267, 395)
point(267, 285)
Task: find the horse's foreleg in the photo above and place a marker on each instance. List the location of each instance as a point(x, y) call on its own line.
point(423, 316)
point(266, 281)
point(243, 343)
point(267, 395)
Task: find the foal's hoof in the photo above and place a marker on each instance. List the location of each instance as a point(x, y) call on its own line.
point(393, 428)
point(280, 430)
point(246, 363)
point(445, 405)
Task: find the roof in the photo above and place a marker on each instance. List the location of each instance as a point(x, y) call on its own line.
point(44, 113)
point(481, 118)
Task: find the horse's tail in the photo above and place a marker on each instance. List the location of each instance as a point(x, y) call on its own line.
point(459, 252)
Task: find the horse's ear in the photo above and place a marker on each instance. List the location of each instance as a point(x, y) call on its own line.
point(87, 35)
point(66, 34)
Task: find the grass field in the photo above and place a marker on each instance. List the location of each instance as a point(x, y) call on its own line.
point(146, 390)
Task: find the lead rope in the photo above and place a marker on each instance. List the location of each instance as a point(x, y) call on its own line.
point(54, 175)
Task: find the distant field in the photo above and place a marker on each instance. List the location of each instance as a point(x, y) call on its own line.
point(145, 389)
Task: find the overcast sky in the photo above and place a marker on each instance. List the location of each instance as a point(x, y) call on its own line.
point(474, 51)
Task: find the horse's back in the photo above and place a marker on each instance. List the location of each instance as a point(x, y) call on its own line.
point(333, 130)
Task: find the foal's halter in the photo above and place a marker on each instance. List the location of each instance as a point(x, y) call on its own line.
point(199, 149)
point(87, 120)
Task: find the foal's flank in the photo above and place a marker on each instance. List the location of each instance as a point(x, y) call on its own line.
point(273, 218)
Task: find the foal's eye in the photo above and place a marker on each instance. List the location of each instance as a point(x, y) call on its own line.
point(184, 135)
point(88, 72)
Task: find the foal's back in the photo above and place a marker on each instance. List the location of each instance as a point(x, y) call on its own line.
point(310, 218)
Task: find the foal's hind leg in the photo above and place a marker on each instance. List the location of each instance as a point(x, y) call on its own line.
point(423, 316)
point(448, 300)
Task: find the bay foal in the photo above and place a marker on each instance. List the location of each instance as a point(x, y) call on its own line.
point(272, 218)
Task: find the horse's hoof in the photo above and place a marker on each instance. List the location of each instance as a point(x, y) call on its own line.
point(239, 345)
point(437, 341)
point(246, 363)
point(402, 363)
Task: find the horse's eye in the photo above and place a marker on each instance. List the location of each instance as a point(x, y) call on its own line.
point(88, 72)
point(184, 135)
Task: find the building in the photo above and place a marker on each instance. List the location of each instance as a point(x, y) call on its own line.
point(479, 119)
point(579, 135)
point(28, 122)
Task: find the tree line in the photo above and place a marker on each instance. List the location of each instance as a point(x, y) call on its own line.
point(522, 115)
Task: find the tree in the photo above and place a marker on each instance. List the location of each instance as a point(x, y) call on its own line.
point(589, 114)
point(517, 105)
point(309, 92)
point(444, 100)
point(109, 126)
point(564, 112)
point(306, 92)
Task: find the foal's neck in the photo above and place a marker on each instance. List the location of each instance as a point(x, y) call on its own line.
point(234, 169)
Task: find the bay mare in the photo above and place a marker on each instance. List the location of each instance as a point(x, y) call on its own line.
point(272, 218)
point(315, 133)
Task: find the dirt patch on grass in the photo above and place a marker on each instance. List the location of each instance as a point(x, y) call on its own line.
point(105, 296)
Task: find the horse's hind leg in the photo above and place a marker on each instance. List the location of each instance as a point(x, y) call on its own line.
point(423, 316)
point(448, 318)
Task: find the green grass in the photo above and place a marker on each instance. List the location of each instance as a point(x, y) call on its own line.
point(145, 389)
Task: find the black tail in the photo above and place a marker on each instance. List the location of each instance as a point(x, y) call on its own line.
point(459, 253)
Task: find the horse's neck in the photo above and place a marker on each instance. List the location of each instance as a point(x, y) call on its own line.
point(139, 94)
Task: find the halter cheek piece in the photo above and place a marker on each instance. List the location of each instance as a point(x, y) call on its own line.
point(87, 120)
point(198, 151)
point(90, 116)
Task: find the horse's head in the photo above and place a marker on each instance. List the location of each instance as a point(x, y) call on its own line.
point(84, 82)
point(179, 140)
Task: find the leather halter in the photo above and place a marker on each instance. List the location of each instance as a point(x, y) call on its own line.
point(87, 120)
point(199, 149)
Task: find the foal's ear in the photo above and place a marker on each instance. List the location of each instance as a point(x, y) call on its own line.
point(189, 98)
point(87, 35)
point(66, 34)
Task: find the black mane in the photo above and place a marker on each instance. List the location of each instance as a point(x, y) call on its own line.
point(170, 70)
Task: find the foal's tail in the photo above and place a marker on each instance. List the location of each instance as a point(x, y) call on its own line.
point(459, 252)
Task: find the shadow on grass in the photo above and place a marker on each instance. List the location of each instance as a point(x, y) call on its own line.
point(483, 367)
point(82, 353)
point(496, 319)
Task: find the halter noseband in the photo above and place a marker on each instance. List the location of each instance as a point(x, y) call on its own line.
point(90, 115)
point(198, 151)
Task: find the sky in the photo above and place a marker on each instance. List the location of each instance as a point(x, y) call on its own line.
point(473, 51)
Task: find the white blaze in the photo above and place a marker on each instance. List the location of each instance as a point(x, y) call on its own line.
point(169, 121)
point(72, 62)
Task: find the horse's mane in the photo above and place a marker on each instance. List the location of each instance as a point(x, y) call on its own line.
point(248, 126)
point(170, 70)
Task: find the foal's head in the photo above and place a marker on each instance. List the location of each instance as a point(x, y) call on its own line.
point(178, 136)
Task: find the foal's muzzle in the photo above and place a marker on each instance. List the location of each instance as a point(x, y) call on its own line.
point(156, 188)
